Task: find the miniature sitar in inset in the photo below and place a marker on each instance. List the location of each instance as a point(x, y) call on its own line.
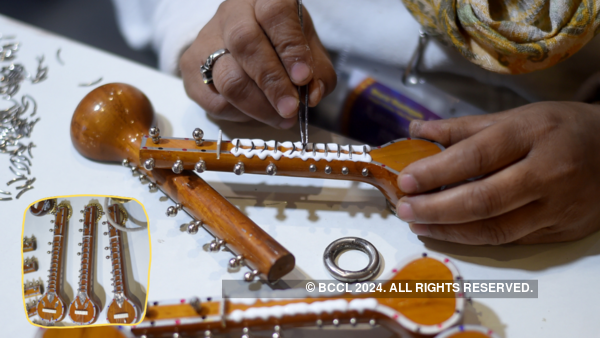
point(84, 310)
point(122, 309)
point(52, 307)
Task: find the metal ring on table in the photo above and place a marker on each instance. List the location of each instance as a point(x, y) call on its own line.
point(334, 249)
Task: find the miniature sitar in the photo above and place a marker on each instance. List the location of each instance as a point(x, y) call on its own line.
point(84, 310)
point(122, 309)
point(52, 306)
point(109, 125)
point(428, 315)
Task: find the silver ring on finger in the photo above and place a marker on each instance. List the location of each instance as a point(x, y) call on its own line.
point(207, 67)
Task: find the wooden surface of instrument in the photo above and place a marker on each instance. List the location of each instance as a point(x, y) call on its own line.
point(84, 310)
point(378, 166)
point(30, 265)
point(109, 125)
point(122, 309)
point(428, 315)
point(85, 332)
point(52, 307)
point(29, 244)
point(43, 207)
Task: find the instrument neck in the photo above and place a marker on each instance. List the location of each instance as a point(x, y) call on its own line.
point(56, 260)
point(86, 275)
point(116, 254)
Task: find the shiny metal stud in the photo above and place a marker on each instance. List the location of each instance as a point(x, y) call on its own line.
point(152, 186)
point(327, 169)
point(49, 243)
point(143, 179)
point(216, 245)
point(365, 172)
point(51, 230)
point(177, 167)
point(236, 261)
point(134, 170)
point(372, 322)
point(319, 323)
point(155, 134)
point(207, 334)
point(271, 169)
point(345, 171)
point(336, 322)
point(238, 168)
point(107, 257)
point(312, 168)
point(149, 164)
point(353, 321)
point(125, 162)
point(81, 221)
point(80, 230)
point(106, 248)
point(250, 275)
point(277, 333)
point(198, 134)
point(79, 244)
point(173, 210)
point(200, 167)
point(79, 254)
point(106, 233)
point(81, 211)
point(192, 228)
point(175, 335)
point(48, 252)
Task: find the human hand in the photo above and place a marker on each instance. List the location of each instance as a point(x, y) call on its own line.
point(542, 176)
point(270, 56)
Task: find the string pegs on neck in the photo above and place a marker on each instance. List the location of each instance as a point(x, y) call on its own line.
point(198, 136)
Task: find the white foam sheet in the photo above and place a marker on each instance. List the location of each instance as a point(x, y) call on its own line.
point(304, 215)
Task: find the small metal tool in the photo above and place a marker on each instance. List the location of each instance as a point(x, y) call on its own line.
point(302, 92)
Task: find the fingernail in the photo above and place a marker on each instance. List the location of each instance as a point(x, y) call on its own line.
point(287, 123)
point(315, 96)
point(300, 72)
point(405, 212)
point(420, 229)
point(287, 106)
point(408, 184)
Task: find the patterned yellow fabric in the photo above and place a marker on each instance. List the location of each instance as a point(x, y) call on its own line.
point(511, 36)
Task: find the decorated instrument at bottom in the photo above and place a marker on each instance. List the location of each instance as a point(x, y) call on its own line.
point(84, 310)
point(108, 125)
point(430, 314)
point(122, 309)
point(33, 288)
point(30, 265)
point(29, 244)
point(51, 307)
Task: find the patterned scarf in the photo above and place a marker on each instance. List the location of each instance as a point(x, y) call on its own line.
point(510, 36)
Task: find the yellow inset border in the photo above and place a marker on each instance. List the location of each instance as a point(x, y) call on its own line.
point(145, 305)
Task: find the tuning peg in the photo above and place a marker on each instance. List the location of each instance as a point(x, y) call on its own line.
point(207, 334)
point(372, 322)
point(200, 167)
point(149, 164)
point(52, 221)
point(49, 243)
point(345, 171)
point(79, 244)
point(353, 321)
point(106, 248)
point(365, 172)
point(172, 210)
point(216, 245)
point(134, 170)
point(104, 223)
point(106, 233)
point(246, 333)
point(195, 303)
point(155, 134)
point(277, 333)
point(319, 323)
point(51, 230)
point(327, 169)
point(198, 134)
point(81, 211)
point(177, 167)
point(80, 230)
point(312, 168)
point(175, 335)
point(79, 254)
point(107, 257)
point(125, 162)
point(152, 186)
point(238, 168)
point(236, 261)
point(250, 275)
point(48, 252)
point(81, 221)
point(192, 228)
point(271, 169)
point(143, 179)
point(336, 322)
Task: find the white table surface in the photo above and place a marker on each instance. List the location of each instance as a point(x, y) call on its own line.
point(304, 215)
point(136, 254)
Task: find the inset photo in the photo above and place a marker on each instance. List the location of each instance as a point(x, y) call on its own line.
point(86, 260)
